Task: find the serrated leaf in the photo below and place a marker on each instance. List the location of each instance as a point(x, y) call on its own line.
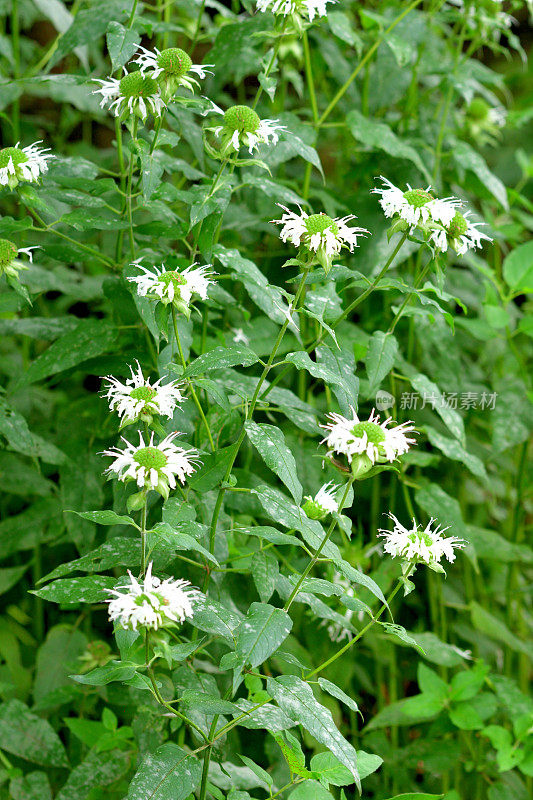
point(28, 736)
point(382, 350)
point(122, 43)
point(169, 773)
point(261, 633)
point(93, 589)
point(220, 357)
point(270, 443)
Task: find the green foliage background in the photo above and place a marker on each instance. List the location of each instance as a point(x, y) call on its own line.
point(434, 698)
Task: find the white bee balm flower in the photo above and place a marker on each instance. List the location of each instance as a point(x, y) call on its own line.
point(242, 127)
point(308, 8)
point(172, 286)
point(367, 442)
point(420, 546)
point(133, 95)
point(415, 206)
point(323, 503)
point(23, 164)
point(152, 603)
point(10, 266)
point(461, 234)
point(137, 398)
point(171, 68)
point(153, 466)
point(319, 233)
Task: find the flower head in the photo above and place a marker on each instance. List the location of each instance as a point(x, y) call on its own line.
point(461, 234)
point(323, 503)
point(367, 442)
point(153, 466)
point(152, 603)
point(23, 164)
point(440, 221)
point(138, 399)
point(319, 234)
point(171, 68)
point(415, 206)
point(172, 286)
point(134, 94)
point(295, 8)
point(419, 545)
point(10, 266)
point(242, 127)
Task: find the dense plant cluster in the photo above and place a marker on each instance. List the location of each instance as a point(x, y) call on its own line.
point(265, 404)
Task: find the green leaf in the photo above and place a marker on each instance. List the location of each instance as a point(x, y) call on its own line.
point(15, 428)
point(261, 633)
point(310, 790)
point(207, 703)
point(382, 350)
point(465, 717)
point(379, 136)
point(296, 698)
point(416, 796)
point(28, 736)
point(151, 170)
point(122, 43)
point(518, 268)
point(334, 691)
point(62, 646)
point(106, 517)
point(212, 471)
point(88, 25)
point(430, 683)
point(270, 443)
point(280, 509)
point(219, 357)
point(494, 628)
point(401, 633)
point(96, 771)
point(93, 589)
point(454, 449)
point(212, 617)
point(101, 676)
point(33, 786)
point(118, 551)
point(467, 158)
point(169, 773)
point(427, 389)
point(89, 339)
point(265, 571)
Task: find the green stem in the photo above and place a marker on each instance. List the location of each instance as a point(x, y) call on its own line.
point(160, 699)
point(342, 316)
point(271, 63)
point(364, 60)
point(48, 229)
point(129, 204)
point(309, 77)
point(356, 638)
point(189, 382)
point(143, 540)
point(319, 549)
point(248, 416)
point(198, 25)
point(15, 39)
point(373, 285)
point(207, 759)
point(409, 297)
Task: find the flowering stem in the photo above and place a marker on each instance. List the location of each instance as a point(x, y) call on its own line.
point(198, 25)
point(323, 543)
point(373, 285)
point(128, 189)
point(364, 61)
point(309, 77)
point(160, 699)
point(249, 413)
point(271, 63)
point(344, 314)
point(407, 300)
point(15, 38)
point(189, 382)
point(359, 635)
point(143, 539)
point(48, 229)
